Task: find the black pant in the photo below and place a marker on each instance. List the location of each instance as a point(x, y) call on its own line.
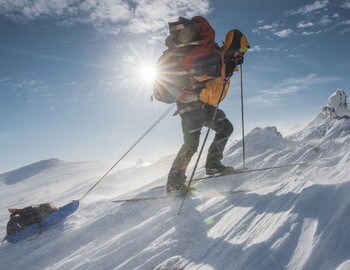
point(192, 123)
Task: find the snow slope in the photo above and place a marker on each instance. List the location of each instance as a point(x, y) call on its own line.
point(290, 218)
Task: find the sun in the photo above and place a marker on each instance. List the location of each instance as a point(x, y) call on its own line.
point(140, 70)
point(148, 73)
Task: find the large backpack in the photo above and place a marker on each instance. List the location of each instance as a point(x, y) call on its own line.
point(171, 77)
point(25, 217)
point(194, 64)
point(191, 51)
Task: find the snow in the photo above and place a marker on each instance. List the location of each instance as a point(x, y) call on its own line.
point(337, 105)
point(288, 218)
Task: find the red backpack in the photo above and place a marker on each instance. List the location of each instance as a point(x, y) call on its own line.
point(191, 51)
point(206, 47)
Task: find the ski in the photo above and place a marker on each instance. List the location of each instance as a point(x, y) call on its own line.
point(142, 199)
point(241, 171)
point(199, 194)
point(209, 194)
point(153, 198)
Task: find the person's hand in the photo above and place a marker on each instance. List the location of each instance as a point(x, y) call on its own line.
point(238, 58)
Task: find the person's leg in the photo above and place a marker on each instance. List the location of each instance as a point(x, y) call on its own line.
point(191, 126)
point(177, 174)
point(223, 128)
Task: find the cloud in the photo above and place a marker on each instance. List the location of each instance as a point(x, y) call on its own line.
point(287, 88)
point(324, 20)
point(323, 24)
point(258, 48)
point(153, 15)
point(273, 28)
point(284, 33)
point(272, 97)
point(304, 24)
point(32, 9)
point(317, 18)
point(295, 55)
point(106, 11)
point(346, 4)
point(115, 16)
point(318, 22)
point(317, 5)
point(33, 90)
point(310, 33)
point(5, 80)
point(266, 27)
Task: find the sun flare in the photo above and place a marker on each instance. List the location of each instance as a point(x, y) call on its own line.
point(148, 73)
point(140, 70)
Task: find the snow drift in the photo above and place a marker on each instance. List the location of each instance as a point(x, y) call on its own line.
point(289, 218)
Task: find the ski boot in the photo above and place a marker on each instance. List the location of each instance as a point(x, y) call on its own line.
point(219, 169)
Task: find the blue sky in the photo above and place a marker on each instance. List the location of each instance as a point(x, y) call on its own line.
point(71, 83)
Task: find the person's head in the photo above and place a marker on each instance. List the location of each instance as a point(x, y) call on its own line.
point(234, 48)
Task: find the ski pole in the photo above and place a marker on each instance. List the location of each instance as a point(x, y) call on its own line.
point(129, 150)
point(242, 112)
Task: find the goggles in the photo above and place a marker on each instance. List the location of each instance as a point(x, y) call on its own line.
point(243, 50)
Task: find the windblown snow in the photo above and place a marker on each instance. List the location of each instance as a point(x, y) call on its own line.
point(288, 218)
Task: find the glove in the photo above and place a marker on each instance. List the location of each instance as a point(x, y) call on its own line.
point(234, 56)
point(238, 58)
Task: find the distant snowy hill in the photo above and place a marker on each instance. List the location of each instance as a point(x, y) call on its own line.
point(288, 218)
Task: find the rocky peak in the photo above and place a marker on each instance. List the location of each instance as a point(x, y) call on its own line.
point(337, 106)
